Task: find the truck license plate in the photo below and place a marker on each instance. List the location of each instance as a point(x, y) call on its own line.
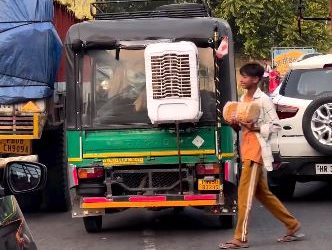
point(323, 168)
point(208, 185)
point(15, 146)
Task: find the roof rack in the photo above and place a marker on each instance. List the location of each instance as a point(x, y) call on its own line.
point(132, 9)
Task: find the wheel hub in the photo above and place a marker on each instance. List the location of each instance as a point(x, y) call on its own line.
point(321, 124)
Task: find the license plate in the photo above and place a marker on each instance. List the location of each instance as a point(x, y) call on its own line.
point(122, 161)
point(21, 147)
point(209, 185)
point(323, 168)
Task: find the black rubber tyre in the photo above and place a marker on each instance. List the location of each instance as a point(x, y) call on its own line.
point(283, 189)
point(51, 150)
point(93, 224)
point(306, 124)
point(29, 202)
point(226, 221)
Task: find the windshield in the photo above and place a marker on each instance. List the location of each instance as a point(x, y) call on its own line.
point(114, 91)
point(307, 83)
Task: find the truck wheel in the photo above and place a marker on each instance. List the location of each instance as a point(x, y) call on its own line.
point(317, 124)
point(51, 149)
point(283, 189)
point(226, 221)
point(93, 224)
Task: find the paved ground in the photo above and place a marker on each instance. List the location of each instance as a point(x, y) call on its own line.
point(192, 229)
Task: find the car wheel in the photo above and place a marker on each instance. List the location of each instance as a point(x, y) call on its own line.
point(283, 189)
point(93, 224)
point(317, 124)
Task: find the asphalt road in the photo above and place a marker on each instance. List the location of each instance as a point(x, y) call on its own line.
point(165, 230)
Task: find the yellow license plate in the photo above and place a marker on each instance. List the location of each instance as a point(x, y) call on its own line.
point(15, 146)
point(209, 185)
point(122, 161)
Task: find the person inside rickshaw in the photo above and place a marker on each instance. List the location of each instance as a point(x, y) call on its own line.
point(120, 94)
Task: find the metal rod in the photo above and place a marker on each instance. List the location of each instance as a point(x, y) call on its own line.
point(218, 94)
point(179, 153)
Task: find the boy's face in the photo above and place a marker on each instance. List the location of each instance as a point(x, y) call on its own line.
point(248, 82)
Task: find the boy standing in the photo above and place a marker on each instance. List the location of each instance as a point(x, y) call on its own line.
point(256, 154)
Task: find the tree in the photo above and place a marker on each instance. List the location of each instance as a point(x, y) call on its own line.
point(81, 8)
point(259, 25)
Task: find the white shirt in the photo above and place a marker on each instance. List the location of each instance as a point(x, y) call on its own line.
point(268, 122)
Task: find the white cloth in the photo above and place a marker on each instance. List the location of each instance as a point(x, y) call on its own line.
point(267, 70)
point(269, 125)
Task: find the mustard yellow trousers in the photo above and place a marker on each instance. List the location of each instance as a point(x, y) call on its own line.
point(253, 182)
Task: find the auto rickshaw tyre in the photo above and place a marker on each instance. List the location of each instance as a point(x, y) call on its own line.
point(226, 221)
point(93, 224)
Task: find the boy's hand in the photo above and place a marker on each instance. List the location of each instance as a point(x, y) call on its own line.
point(250, 126)
point(235, 123)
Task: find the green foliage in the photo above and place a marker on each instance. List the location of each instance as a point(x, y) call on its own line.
point(259, 25)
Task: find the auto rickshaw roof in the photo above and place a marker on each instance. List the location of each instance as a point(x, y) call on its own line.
point(106, 34)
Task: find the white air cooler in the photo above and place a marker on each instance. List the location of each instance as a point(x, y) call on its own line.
point(172, 85)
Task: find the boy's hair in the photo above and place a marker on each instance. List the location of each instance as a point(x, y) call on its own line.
point(253, 70)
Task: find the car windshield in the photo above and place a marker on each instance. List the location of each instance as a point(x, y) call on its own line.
point(307, 83)
point(114, 91)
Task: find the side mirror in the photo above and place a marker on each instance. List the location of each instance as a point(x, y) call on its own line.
point(22, 177)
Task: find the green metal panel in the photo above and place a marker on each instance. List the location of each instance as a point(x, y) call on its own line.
point(73, 144)
point(107, 146)
point(227, 139)
point(145, 140)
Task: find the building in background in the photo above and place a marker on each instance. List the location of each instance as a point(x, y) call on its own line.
point(64, 18)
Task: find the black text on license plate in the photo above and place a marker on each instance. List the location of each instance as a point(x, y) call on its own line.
point(323, 168)
point(209, 185)
point(13, 146)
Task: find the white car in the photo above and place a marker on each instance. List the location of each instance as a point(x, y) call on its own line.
point(303, 148)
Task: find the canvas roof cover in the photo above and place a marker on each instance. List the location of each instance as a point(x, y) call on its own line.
point(30, 50)
point(106, 34)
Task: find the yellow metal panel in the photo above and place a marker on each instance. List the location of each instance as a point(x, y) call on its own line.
point(147, 154)
point(17, 137)
point(30, 107)
point(36, 125)
point(149, 204)
point(74, 159)
point(227, 155)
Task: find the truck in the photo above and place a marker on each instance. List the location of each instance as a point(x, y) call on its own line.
point(31, 104)
point(144, 127)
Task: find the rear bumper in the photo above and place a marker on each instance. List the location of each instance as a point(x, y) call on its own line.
point(94, 206)
point(150, 201)
point(299, 168)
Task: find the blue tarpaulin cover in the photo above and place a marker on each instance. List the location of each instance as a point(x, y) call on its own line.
point(30, 50)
